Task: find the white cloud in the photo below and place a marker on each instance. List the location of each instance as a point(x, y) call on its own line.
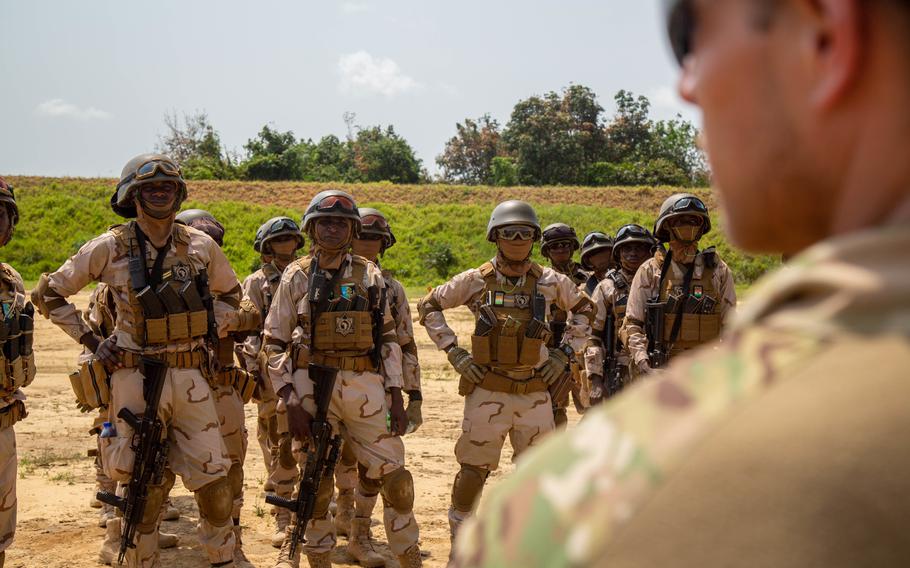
point(361, 73)
point(61, 108)
point(354, 7)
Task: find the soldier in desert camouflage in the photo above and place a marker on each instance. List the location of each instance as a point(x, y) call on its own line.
point(168, 257)
point(347, 336)
point(277, 241)
point(784, 445)
point(506, 375)
point(17, 369)
point(597, 258)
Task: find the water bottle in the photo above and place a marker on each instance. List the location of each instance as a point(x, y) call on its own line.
point(108, 430)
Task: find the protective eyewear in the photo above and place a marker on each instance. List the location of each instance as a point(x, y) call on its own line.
point(560, 245)
point(681, 28)
point(370, 237)
point(631, 231)
point(282, 225)
point(374, 222)
point(150, 168)
point(336, 203)
point(690, 204)
point(597, 238)
point(513, 232)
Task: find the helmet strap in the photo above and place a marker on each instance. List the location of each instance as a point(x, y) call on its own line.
point(512, 267)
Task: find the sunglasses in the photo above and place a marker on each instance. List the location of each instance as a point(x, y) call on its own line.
point(336, 203)
point(681, 28)
point(560, 245)
point(513, 232)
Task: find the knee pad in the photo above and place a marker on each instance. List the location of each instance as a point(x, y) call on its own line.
point(467, 487)
point(323, 497)
point(216, 502)
point(347, 455)
point(149, 521)
point(398, 490)
point(286, 453)
point(368, 486)
point(235, 478)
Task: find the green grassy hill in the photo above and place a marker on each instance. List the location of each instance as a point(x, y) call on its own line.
point(441, 230)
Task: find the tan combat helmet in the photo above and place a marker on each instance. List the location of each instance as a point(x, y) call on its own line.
point(204, 221)
point(676, 205)
point(145, 168)
point(512, 212)
point(632, 233)
point(274, 228)
point(375, 223)
point(593, 243)
point(332, 203)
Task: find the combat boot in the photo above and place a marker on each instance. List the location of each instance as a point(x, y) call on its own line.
point(107, 513)
point(167, 540)
point(344, 512)
point(170, 513)
point(455, 520)
point(282, 521)
point(240, 559)
point(268, 487)
point(284, 556)
point(360, 545)
point(411, 558)
point(319, 559)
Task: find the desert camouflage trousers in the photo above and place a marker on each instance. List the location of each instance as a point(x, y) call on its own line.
point(229, 407)
point(491, 416)
point(7, 487)
point(358, 410)
point(275, 442)
point(197, 451)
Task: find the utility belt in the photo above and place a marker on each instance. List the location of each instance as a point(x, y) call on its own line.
point(514, 383)
point(12, 414)
point(301, 358)
point(195, 359)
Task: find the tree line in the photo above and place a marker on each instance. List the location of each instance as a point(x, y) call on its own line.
point(561, 138)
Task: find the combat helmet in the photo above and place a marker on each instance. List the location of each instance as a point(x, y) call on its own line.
point(512, 212)
point(332, 203)
point(555, 233)
point(145, 168)
point(632, 233)
point(204, 221)
point(8, 198)
point(375, 223)
point(274, 228)
point(676, 205)
point(593, 243)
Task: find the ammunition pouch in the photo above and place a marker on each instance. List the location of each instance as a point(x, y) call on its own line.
point(695, 330)
point(12, 414)
point(238, 379)
point(165, 317)
point(196, 359)
point(15, 374)
point(91, 385)
point(350, 331)
point(512, 350)
point(300, 357)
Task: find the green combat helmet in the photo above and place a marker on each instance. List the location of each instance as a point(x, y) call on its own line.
point(593, 243)
point(204, 221)
point(332, 203)
point(145, 168)
point(555, 233)
point(676, 205)
point(375, 223)
point(512, 212)
point(274, 228)
point(632, 233)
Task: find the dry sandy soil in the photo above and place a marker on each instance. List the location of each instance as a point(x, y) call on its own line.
point(57, 529)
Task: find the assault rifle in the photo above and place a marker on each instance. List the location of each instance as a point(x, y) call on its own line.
point(322, 455)
point(150, 446)
point(611, 373)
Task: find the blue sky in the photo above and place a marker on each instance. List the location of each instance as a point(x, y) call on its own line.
point(86, 84)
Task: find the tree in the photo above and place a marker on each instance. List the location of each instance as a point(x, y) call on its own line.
point(196, 146)
point(629, 133)
point(468, 156)
point(273, 155)
point(383, 155)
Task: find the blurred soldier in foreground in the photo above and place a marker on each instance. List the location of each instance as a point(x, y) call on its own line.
point(355, 506)
point(558, 244)
point(507, 376)
point(596, 258)
point(232, 386)
point(606, 359)
point(18, 368)
point(681, 299)
point(331, 310)
point(786, 444)
point(174, 293)
point(278, 240)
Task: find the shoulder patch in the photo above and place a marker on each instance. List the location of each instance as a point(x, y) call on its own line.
point(486, 269)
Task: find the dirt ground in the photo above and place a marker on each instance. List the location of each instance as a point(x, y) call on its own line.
point(57, 529)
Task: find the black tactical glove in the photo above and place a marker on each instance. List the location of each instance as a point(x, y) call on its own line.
point(462, 362)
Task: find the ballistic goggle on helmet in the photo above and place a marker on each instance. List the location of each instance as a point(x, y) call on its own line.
point(593, 243)
point(557, 233)
point(145, 168)
point(632, 233)
point(332, 203)
point(677, 205)
point(374, 223)
point(274, 228)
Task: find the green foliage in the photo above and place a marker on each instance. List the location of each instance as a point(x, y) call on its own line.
point(440, 259)
point(197, 148)
point(504, 172)
point(469, 156)
point(273, 155)
point(656, 172)
point(383, 155)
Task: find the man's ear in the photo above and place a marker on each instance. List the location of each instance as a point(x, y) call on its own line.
point(832, 34)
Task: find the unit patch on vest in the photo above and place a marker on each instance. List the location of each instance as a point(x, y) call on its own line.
point(698, 291)
point(180, 272)
point(347, 291)
point(502, 300)
point(344, 325)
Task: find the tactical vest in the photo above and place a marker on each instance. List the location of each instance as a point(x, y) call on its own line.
point(106, 309)
point(699, 324)
point(272, 277)
point(17, 361)
point(507, 346)
point(345, 328)
point(174, 312)
point(620, 297)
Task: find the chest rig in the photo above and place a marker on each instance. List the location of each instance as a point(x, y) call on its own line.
point(344, 331)
point(510, 329)
point(171, 303)
point(697, 307)
point(17, 361)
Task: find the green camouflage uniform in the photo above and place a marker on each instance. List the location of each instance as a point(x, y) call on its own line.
point(794, 429)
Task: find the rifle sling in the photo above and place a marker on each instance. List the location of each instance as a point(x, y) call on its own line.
point(677, 321)
point(154, 278)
